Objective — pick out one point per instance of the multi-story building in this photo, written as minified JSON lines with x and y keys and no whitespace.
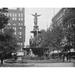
{"x":64,"y":16}
{"x":57,"y":19}
{"x":16,"y":21}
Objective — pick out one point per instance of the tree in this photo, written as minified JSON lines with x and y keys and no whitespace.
{"x":8,"y":44}
{"x":69,"y":26}
{"x":3,"y":21}
{"x":8,"y":41}
{"x":36,"y":44}
{"x":52,"y":38}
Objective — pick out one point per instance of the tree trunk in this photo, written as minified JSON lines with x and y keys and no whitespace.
{"x":1,"y":61}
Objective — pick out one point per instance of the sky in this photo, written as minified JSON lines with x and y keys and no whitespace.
{"x":44,"y":20}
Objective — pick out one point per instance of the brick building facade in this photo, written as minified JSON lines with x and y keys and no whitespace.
{"x":17,"y":22}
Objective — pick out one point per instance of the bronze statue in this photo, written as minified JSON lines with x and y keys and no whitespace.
{"x":35,"y":18}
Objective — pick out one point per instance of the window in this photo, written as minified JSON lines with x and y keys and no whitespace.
{"x":10,"y":14}
{"x":7,"y":14}
{"x":20,"y":9}
{"x":15,"y":14}
{"x":18,"y":43}
{"x":14,"y":24}
{"x":15,"y":32}
{"x":21,"y":23}
{"x":9,"y":24}
{"x":20,"y":27}
{"x":20,"y":33}
{"x":21,"y":14}
{"x":12,"y":18}
{"x":15,"y":18}
{"x":19,"y":19}
{"x":14,"y":28}
{"x":20,"y":37}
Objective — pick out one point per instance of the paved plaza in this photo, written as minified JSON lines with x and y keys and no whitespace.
{"x":39,"y":65}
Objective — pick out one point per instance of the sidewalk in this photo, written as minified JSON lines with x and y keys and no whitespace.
{"x":39,"y":65}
